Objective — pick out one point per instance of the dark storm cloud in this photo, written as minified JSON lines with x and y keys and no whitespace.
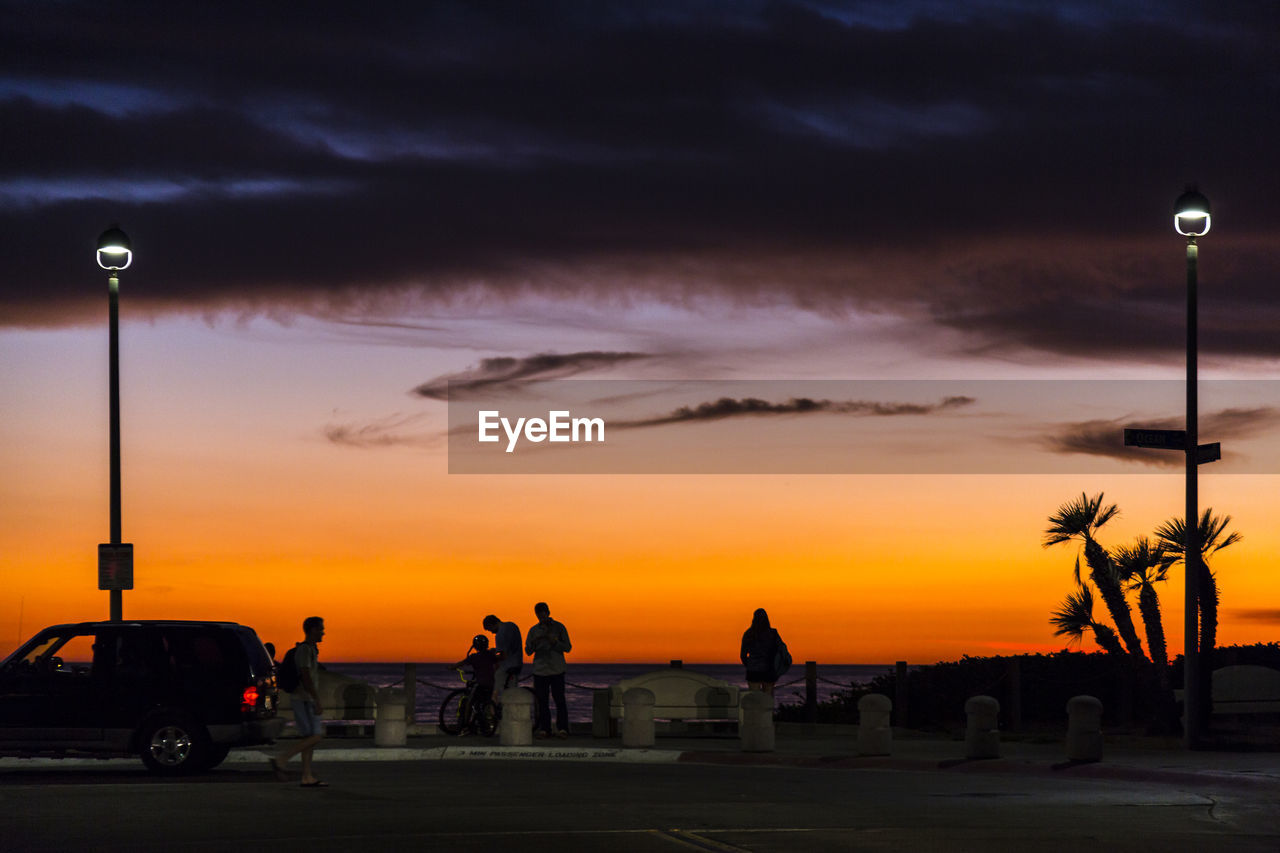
{"x":1007,"y":173}
{"x":1106,"y":437}
{"x":504,"y":372}
{"x":729,"y":407}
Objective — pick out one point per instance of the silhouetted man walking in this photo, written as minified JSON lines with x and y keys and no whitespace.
{"x":307,"y":708}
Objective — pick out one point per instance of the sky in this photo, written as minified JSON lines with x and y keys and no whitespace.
{"x":350,"y":228}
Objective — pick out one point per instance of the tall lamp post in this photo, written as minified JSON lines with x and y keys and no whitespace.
{"x":115,"y":561}
{"x":1191,"y":220}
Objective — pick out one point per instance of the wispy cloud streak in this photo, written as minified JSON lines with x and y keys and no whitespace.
{"x":506,"y":372}
{"x":396,"y":430}
{"x":730,"y":407}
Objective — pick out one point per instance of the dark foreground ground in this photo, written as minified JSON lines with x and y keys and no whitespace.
{"x":553,"y":806}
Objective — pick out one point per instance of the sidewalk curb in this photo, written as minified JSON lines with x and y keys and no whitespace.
{"x":1099,"y":771}
{"x":499,"y":753}
{"x":254,"y":756}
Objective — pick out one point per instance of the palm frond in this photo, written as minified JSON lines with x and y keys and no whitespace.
{"x":1104,"y":514}
{"x":1078,"y":519}
{"x":1173,"y":534}
{"x":1075,"y":615}
{"x":1141,"y":563}
{"x":1212,"y":527}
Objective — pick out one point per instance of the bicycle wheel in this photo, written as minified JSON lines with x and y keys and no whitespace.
{"x":485,"y":719}
{"x":451,"y":710}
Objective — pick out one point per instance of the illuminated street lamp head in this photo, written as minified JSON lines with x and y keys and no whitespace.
{"x":1191,"y":213}
{"x":114,"y":251}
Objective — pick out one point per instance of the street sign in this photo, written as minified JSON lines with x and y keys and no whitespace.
{"x":1208,"y":453}
{"x":115,"y":566}
{"x":1162,"y":439}
{"x":1171,"y":439}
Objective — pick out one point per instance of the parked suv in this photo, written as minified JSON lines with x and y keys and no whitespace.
{"x":177,"y":694}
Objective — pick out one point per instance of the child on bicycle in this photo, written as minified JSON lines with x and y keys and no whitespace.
{"x":484,"y":663}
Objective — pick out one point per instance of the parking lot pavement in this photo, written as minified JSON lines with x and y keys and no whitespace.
{"x":1132,"y":759}
{"x":565,"y":806}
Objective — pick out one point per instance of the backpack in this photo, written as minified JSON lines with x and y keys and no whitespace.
{"x":287,"y":676}
{"x":781,"y":657}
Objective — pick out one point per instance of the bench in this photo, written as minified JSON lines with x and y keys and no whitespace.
{"x":1244,"y":689}
{"x":680,"y":694}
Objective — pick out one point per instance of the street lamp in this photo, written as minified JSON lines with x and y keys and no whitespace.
{"x":1191,"y":219}
{"x":1191,"y":214}
{"x":115,"y":561}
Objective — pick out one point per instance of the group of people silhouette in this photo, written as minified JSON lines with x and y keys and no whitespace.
{"x":497,"y":665}
{"x":500,"y":666}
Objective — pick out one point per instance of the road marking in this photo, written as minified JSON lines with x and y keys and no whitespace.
{"x":695,"y":842}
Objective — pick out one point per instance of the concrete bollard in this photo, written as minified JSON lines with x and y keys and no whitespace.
{"x":602,"y":725}
{"x":390,"y":721}
{"x":1084,"y":729}
{"x":637,"y":718}
{"x":874,"y":734}
{"x":982,"y":734}
{"x":756,"y":729}
{"x":516,"y":728}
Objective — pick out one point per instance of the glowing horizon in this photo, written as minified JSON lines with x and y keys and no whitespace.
{"x":240,"y":509}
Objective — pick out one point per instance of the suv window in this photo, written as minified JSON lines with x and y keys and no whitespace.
{"x":260,"y":663}
{"x":207,"y":664}
{"x":204,"y":650}
{"x":38,"y":651}
{"x":76,"y":652}
{"x":69,"y":653}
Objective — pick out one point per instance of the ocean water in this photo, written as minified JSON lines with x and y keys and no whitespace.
{"x":437,"y":679}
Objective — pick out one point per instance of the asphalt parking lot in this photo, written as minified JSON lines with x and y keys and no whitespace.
{"x":566,"y":806}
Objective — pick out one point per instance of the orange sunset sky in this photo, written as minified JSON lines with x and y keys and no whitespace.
{"x":240,"y":509}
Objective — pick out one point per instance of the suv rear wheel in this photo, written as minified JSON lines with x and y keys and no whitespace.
{"x":173,"y":744}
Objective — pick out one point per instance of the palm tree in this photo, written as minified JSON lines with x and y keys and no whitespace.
{"x":1173,"y":535}
{"x":1140,"y":566}
{"x":1075,"y":616}
{"x":1080,"y":519}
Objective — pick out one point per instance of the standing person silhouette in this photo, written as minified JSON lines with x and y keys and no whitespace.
{"x":547,"y":642}
{"x":762,"y":652}
{"x":506,"y":639}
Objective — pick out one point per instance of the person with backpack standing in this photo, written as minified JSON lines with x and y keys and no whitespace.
{"x":763,"y":653}
{"x":299,"y":675}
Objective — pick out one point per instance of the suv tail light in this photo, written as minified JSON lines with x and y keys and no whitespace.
{"x":249,"y":699}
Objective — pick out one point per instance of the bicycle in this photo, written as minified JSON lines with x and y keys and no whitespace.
{"x":459,"y":712}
